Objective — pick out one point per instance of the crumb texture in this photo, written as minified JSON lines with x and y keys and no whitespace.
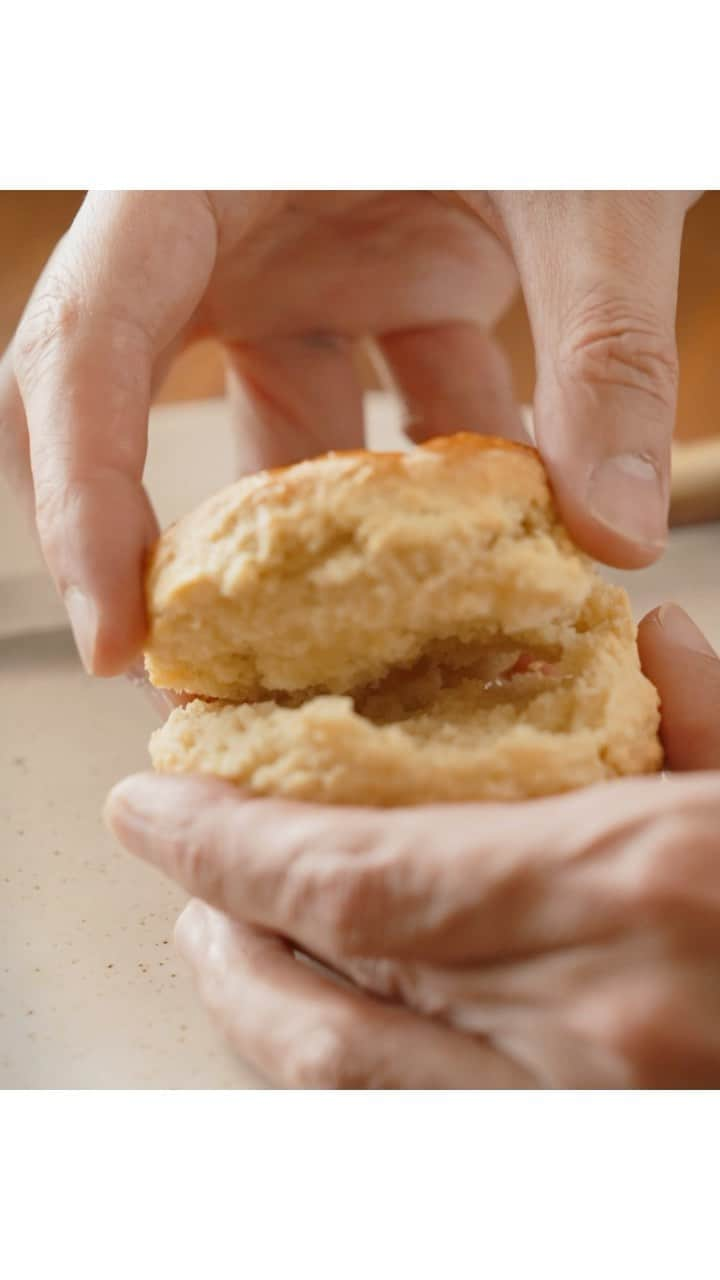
{"x":328,"y":574}
{"x":395,"y":629}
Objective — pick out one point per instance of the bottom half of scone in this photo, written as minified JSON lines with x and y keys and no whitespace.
{"x":499,"y":718}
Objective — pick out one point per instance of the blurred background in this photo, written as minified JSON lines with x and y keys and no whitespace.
{"x":31,"y":222}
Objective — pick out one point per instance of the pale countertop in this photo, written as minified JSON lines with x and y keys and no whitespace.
{"x":92,"y":994}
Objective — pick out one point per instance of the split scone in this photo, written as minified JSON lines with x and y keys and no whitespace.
{"x":393,"y":629}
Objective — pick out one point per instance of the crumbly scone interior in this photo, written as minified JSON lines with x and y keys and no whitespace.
{"x":501,"y":716}
{"x":544,"y":678}
{"x":336,"y":590}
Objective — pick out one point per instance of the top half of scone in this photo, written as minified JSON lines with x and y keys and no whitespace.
{"x":327,"y":575}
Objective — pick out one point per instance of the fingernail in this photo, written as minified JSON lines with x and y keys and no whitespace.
{"x":133,"y":803}
{"x":625,"y":493}
{"x":192,"y":928}
{"x":681,"y":630}
{"x":83,"y":619}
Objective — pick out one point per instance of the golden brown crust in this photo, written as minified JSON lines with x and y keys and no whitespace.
{"x":462,"y":444}
{"x":356,"y":601}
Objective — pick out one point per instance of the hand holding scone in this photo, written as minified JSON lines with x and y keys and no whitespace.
{"x":566,"y":942}
{"x":288,"y":282}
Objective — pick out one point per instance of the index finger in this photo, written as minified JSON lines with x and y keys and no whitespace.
{"x":124,"y":282}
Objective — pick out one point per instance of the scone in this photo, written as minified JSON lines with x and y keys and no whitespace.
{"x":393,"y":629}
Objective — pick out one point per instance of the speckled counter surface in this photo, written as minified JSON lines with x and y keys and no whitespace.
{"x":92,"y":994}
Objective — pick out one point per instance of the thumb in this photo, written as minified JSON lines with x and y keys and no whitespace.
{"x":599,"y":272}
{"x":686,"y":672}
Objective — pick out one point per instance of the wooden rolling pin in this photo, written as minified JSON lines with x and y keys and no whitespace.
{"x":695,"y":492}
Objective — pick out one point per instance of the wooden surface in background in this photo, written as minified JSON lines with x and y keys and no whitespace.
{"x":32,"y":221}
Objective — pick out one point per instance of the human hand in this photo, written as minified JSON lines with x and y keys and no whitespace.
{"x":567,"y":942}
{"x":289,"y":282}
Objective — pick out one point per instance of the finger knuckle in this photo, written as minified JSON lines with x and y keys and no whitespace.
{"x":198,"y":867}
{"x":49,"y":325}
{"x":660,"y":1031}
{"x":61,"y":505}
{"x":677,"y":870}
{"x":325,"y":1057}
{"x":60,"y":321}
{"x":341,"y":899}
{"x":657,"y":881}
{"x":358,"y":901}
{"x":640,"y":1028}
{"x":371,"y":886}
{"x":608,"y":344}
{"x":54,"y":513}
